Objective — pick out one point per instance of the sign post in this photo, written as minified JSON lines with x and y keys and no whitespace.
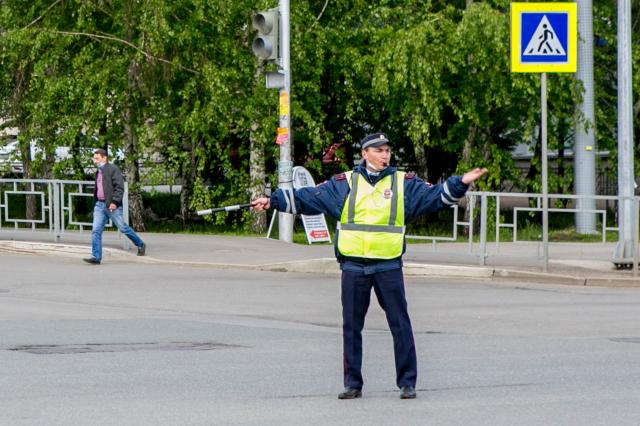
{"x":315,"y":226}
{"x":544,"y":38}
{"x":273,"y":45}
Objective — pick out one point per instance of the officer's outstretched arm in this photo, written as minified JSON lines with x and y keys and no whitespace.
{"x":326,"y":198}
{"x":282,"y":199}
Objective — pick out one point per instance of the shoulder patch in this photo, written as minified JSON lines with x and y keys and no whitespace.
{"x":409,"y":176}
{"x":341,"y":176}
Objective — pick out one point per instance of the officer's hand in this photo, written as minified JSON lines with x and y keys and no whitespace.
{"x":473,"y":175}
{"x":260,"y":204}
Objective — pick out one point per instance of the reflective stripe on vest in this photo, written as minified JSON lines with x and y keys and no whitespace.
{"x":372,"y":221}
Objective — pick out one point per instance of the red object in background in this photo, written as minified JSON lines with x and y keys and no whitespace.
{"x":329,"y":155}
{"x":319,"y":234}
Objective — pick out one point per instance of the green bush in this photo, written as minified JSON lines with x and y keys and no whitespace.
{"x":163,"y":205}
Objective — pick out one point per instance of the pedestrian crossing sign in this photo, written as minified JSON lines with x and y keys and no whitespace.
{"x":544,"y":37}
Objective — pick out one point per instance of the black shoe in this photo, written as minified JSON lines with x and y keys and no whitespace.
{"x":407,"y":392}
{"x":92,"y":260}
{"x":142,"y":249}
{"x":350,"y":393}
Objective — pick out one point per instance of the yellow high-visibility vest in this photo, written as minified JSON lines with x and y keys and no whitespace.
{"x":372,"y":221}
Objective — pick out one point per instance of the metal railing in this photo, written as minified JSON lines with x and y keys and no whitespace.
{"x":53,"y":205}
{"x":526,"y":203}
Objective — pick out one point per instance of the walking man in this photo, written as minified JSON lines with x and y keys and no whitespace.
{"x":372,"y":204}
{"x":108,"y":193}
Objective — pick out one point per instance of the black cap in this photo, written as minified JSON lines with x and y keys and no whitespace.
{"x":374,"y":139}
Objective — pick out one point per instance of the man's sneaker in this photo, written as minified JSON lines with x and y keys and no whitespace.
{"x":407,"y":392}
{"x":92,"y":260}
{"x":142,"y":249}
{"x":350,"y":393}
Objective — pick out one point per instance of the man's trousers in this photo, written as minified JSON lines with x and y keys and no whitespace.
{"x":356,"y":294}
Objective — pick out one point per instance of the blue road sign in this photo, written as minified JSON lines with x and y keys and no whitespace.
{"x":543,"y":37}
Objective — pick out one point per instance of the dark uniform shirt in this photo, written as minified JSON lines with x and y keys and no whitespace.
{"x":329,"y":198}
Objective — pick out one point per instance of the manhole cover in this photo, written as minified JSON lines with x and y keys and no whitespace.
{"x":122,"y":347}
{"x":626,"y":339}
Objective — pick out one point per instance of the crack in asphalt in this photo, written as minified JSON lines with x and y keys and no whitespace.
{"x":121,"y":347}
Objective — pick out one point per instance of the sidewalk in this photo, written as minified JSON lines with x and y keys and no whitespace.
{"x":570,"y":263}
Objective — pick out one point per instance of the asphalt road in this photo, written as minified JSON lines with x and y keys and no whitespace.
{"x":138,"y":344}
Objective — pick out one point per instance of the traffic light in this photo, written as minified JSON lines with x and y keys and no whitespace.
{"x":265,"y":45}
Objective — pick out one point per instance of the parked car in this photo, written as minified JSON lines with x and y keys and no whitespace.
{"x":10,"y":163}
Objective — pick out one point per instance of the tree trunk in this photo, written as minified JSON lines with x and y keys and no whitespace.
{"x":132,"y":170}
{"x":560,"y":187}
{"x":48,"y":156}
{"x":533,"y":175}
{"x":257,"y":177}
{"x":421,"y":158}
{"x":31,"y":200}
{"x":257,"y":173}
{"x":188,"y":179}
{"x":22,"y":78}
{"x":469,"y":145}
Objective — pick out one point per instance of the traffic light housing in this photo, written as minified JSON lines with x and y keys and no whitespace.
{"x":265,"y":45}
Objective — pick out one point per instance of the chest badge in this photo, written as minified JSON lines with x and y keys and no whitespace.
{"x":387,"y":194}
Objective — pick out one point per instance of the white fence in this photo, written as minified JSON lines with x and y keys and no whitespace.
{"x":501,"y":205}
{"x":56,"y":205}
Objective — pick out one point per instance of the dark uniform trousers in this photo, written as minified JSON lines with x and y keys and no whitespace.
{"x":356,"y":294}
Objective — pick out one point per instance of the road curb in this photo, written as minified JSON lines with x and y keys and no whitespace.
{"x":329,"y":265}
{"x":57,"y":249}
{"x":537,"y":277}
{"x":612,"y":282}
{"x":326,"y":266}
{"x":80,"y":251}
{"x":448,"y":271}
{"x":315,"y":266}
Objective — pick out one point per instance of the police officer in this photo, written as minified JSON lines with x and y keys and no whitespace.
{"x":372,"y":204}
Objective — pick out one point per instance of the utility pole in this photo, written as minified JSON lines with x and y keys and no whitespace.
{"x":273,"y":45}
{"x":545,"y":157}
{"x":584,"y":151}
{"x":285,"y":165}
{"x":626,"y":182}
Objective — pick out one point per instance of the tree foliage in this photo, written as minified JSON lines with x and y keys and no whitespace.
{"x":174,"y":86}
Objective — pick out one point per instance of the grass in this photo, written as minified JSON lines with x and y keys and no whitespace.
{"x":533,"y":232}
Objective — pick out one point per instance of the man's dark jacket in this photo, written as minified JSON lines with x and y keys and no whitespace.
{"x":112,"y":183}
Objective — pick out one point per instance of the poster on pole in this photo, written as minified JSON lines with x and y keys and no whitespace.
{"x":315,"y":226}
{"x":544,"y":37}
